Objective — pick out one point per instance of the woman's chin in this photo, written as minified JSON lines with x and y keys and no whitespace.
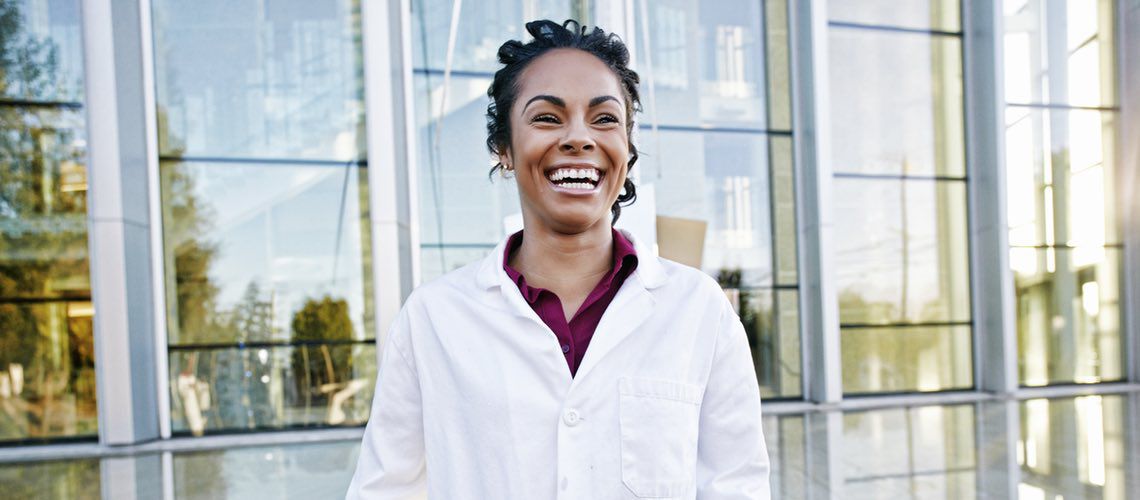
{"x":574,"y":222}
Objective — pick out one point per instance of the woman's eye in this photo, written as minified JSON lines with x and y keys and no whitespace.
{"x":606,"y":119}
{"x":545,"y":119}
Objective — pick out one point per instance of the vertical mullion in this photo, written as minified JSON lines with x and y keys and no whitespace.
{"x":1128,"y":194}
{"x":819,"y":306}
{"x":998,"y":425}
{"x":154,"y":196}
{"x":992,"y":294}
{"x":391,"y":157}
{"x":119,"y":223}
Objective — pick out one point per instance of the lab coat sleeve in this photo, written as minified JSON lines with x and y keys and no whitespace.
{"x":732,"y":459}
{"x":391,"y":463}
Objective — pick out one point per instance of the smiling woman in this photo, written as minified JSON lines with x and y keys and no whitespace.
{"x":663,"y":403}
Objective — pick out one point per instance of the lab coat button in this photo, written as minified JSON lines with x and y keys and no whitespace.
{"x":571,"y":418}
{"x":565,"y":347}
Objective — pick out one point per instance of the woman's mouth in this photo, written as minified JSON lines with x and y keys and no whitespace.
{"x":575,"y":180}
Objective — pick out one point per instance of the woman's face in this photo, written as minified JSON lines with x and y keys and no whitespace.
{"x":569,"y":146}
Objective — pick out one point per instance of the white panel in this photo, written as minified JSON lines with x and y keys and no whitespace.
{"x":819,"y":305}
{"x":118,"y":208}
{"x":1128,"y":27}
{"x":391,"y":161}
{"x":995,"y":320}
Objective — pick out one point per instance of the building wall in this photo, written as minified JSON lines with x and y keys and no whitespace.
{"x":823,"y":152}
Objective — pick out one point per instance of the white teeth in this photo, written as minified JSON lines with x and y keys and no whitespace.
{"x":578,"y":185}
{"x":575,"y":173}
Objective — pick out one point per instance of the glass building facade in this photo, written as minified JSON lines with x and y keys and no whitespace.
{"x":309,"y":163}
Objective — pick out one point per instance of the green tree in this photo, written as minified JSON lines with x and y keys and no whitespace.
{"x":252,"y":319}
{"x":315,"y":363}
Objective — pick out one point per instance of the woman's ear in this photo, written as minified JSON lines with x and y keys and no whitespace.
{"x":505,"y":160}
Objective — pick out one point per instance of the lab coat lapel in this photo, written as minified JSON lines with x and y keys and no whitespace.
{"x":491,"y":275}
{"x":631,"y":307}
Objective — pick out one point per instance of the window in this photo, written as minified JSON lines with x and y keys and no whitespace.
{"x":898,"y":152}
{"x":265,"y":214}
{"x":1065,"y":246}
{"x":47,"y":353}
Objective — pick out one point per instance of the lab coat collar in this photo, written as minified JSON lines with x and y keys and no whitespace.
{"x":632,"y":305}
{"x":649,"y":271}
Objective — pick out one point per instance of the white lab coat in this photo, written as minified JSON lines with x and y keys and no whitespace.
{"x":474,"y":399}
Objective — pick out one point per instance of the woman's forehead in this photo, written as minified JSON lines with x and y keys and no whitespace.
{"x":570,"y":74}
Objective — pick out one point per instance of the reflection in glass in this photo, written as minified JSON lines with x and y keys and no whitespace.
{"x":47,"y":376}
{"x":784,"y":437}
{"x":314,"y":383}
{"x":902,"y":264}
{"x":277,"y":79}
{"x":772,"y":324}
{"x":43,"y":204}
{"x":720,"y":178}
{"x":268,"y":295}
{"x":41,"y":42}
{"x":1068,"y":314}
{"x":923,"y":452}
{"x":47,"y":370}
{"x":708,"y":63}
{"x":311,"y":470}
{"x":267,"y":243}
{"x":1060,"y":52}
{"x":906,"y":358}
{"x":1075,"y":448}
{"x":784,"y":210}
{"x":779,"y":65}
{"x":483,"y":27}
{"x":1061,"y":169}
{"x":904,"y":91}
{"x":939,"y":15}
{"x":249,"y":244}
{"x":901,"y":251}
{"x":75,"y":479}
{"x":462,"y":211}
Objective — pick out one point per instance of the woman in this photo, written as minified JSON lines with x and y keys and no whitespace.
{"x":487,"y":389}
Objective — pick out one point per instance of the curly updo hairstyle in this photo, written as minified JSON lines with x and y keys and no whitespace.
{"x":516,"y":56}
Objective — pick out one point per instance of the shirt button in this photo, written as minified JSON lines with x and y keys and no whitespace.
{"x":571,"y":417}
{"x":565,"y":347}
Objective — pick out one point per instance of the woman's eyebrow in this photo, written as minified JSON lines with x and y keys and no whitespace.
{"x":602,"y":98}
{"x":557,"y":101}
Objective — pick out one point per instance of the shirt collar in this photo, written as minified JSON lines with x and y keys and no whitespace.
{"x":492,"y":270}
{"x":624,"y":258}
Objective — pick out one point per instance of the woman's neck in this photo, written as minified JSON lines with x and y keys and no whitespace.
{"x":556,"y":261}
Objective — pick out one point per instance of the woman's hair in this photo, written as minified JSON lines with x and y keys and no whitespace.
{"x":516,"y":56}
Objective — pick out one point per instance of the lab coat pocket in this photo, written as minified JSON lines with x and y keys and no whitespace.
{"x":659,"y":421}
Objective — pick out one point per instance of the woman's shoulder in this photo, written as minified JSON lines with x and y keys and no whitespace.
{"x":685,"y":277}
{"x":461,"y":280}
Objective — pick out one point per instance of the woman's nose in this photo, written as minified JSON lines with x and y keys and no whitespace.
{"x":577,"y":138}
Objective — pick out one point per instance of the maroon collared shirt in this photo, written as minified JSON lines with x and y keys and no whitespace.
{"x":574,"y":335}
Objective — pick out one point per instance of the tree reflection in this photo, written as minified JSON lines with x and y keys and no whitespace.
{"x":321,"y":370}
{"x":882,"y":351}
{"x":46,"y":359}
{"x":756,"y":314}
